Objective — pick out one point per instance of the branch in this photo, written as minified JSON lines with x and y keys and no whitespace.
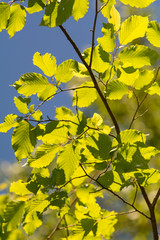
{"x":93,"y":32}
{"x":156,"y":198}
{"x":93,"y":79}
{"x":115,"y":194}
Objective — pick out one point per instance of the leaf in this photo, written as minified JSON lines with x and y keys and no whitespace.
{"x":46,"y":63}
{"x":116,"y":90}
{"x":100,"y":58}
{"x":108,"y":40}
{"x":154,"y":89}
{"x":132,"y":28}
{"x":87,"y":225}
{"x":31,"y":226}
{"x":115,"y":18}
{"x":64,"y":113}
{"x":128,"y":75}
{"x":99,"y":146}
{"x":23,"y":140}
{"x":138,"y":3}
{"x":21,"y":105}
{"x":35,"y":6}
{"x":138,"y":56}
{"x":107,"y":8}
{"x":37,"y":115}
{"x":34,"y":83}
{"x":12,"y":215}
{"x":57,"y":13}
{"x":153,"y":33}
{"x":85,"y":95}
{"x":80,"y":8}
{"x":68,"y":160}
{"x":4,"y":15}
{"x":44,"y":155}
{"x":9,"y":122}
{"x":19,"y":188}
{"x":105,"y":226}
{"x":17,"y":19}
{"x":68,"y":69}
{"x":58,"y":177}
{"x":111,"y":180}
{"x":145,"y":77}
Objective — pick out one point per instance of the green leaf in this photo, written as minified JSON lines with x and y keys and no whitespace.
{"x":12,"y":215}
{"x":17,"y":19}
{"x":106,"y":226}
{"x":100,"y":58}
{"x":68,"y":160}
{"x":153,"y":33}
{"x":115,"y":18}
{"x":4,"y":15}
{"x":87,"y":225}
{"x":99,"y":146}
{"x":132,"y":28}
{"x":23,"y":140}
{"x":111,"y":180}
{"x":21,"y":105}
{"x":107,"y":7}
{"x":19,"y":188}
{"x":154,"y":89}
{"x":68,"y":69}
{"x":64,"y":113}
{"x":34,"y":83}
{"x":85,"y":95}
{"x":116,"y":90}
{"x":46,"y":63}
{"x":36,"y":221}
{"x":44,"y":155}
{"x":80,"y":8}
{"x":108,"y":40}
{"x":35,"y":6}
{"x":57,"y":13}
{"x":37,"y":115}
{"x":145,"y":77}
{"x":138,"y":56}
{"x":9,"y":122}
{"x":128,"y":75}
{"x":58,"y":177}
{"x":138,"y":3}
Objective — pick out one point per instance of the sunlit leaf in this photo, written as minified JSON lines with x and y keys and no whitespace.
{"x":85,"y":95}
{"x":115,"y":18}
{"x":80,"y":8}
{"x":9,"y":122}
{"x":106,"y":8}
{"x":145,"y":77}
{"x":35,"y":6}
{"x":154,"y":89}
{"x":116,"y":90}
{"x":132,"y":28}
{"x":17,"y":19}
{"x":46,"y":63}
{"x":4,"y":15}
{"x":21,"y":105}
{"x":138,"y":3}
{"x":19,"y":188}
{"x":108,"y":40}
{"x":23,"y":140}
{"x":12,"y":215}
{"x":153,"y":33}
{"x":138,"y":56}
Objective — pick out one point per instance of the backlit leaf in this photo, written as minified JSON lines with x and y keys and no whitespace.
{"x":107,"y":7}
{"x":153,"y":33}
{"x":154,"y":89}
{"x":116,"y":90}
{"x":132,"y":28}
{"x":80,"y":8}
{"x":46,"y":63}
{"x":138,"y":3}
{"x":108,"y":40}
{"x":9,"y":122}
{"x":115,"y":18}
{"x":4,"y":15}
{"x":84,"y":96}
{"x":35,"y":6}
{"x":23,"y":140}
{"x":17,"y":19}
{"x":21,"y":105}
{"x":68,"y":160}
{"x":138,"y":56}
{"x":12,"y":215}
{"x":19,"y":188}
{"x":145,"y":77}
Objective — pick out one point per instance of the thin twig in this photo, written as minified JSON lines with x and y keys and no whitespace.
{"x":156,"y":198}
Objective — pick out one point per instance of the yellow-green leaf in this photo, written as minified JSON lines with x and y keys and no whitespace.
{"x":9,"y":122}
{"x":108,"y":40}
{"x":19,"y":188}
{"x":138,"y":3}
{"x":132,"y":28}
{"x":35,"y":6}
{"x":46,"y":63}
{"x":153,"y":33}
{"x":115,"y":18}
{"x":80,"y":8}
{"x":116,"y":90}
{"x":4,"y":15}
{"x":21,"y":105}
{"x":17,"y":19}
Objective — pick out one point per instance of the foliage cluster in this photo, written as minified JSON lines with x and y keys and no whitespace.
{"x":74,"y":158}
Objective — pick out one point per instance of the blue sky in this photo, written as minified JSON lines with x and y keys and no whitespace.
{"x":16,"y":58}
